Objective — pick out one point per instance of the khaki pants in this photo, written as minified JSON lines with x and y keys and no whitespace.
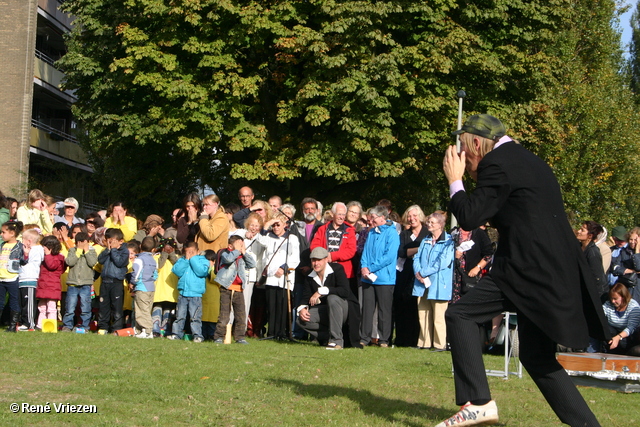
{"x":433,"y":329}
{"x":143,"y":304}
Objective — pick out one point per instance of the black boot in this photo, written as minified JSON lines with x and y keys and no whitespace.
{"x":14,"y":321}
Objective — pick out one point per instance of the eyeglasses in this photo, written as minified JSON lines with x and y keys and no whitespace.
{"x":69,"y":207}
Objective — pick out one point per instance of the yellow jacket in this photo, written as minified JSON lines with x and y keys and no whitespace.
{"x":166,"y":284}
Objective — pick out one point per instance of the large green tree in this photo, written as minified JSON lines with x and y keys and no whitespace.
{"x":338,"y":99}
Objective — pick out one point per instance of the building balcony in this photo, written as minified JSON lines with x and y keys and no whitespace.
{"x":56,"y":145}
{"x":51,"y":7}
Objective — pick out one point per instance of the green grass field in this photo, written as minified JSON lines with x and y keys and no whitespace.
{"x":136,"y":382}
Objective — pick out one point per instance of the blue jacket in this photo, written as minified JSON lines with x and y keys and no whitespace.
{"x":115,"y":263}
{"x":380,"y":254}
{"x":436,"y":263}
{"x":232,"y":265}
{"x":192,"y":273}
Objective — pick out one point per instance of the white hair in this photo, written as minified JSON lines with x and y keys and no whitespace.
{"x":335,"y":206}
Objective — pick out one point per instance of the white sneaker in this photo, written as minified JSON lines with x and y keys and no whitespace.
{"x":143,"y":334}
{"x":23,"y":328}
{"x":473,"y":415}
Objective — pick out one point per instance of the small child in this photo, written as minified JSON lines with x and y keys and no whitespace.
{"x":145,"y":273}
{"x":128,"y":315}
{"x":49,"y":289}
{"x":165,"y":296}
{"x":192,"y":269}
{"x":81,"y":260}
{"x":114,"y":260}
{"x":232,"y":277}
{"x":29,"y":274}
{"x":13,"y":254}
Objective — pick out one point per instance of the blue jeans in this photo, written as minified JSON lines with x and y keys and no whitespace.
{"x":73,"y":292}
{"x":194,"y":306}
{"x":160,"y":315}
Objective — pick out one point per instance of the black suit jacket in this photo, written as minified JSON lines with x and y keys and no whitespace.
{"x":338,"y":284}
{"x":537,"y":265}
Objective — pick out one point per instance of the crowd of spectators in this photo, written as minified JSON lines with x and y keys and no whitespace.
{"x":344,"y":277}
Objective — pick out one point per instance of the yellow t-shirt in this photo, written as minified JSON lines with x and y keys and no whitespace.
{"x":129,"y":228}
{"x":4,"y":262}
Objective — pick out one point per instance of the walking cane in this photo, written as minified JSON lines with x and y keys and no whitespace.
{"x":227,"y":335}
{"x":290,"y":316}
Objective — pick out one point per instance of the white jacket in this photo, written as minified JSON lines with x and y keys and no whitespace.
{"x":31,"y":270}
{"x":287,"y":253}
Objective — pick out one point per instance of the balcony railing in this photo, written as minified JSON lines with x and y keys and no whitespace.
{"x":54,"y":133}
{"x":43,"y":56}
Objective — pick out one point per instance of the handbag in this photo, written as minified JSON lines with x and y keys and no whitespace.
{"x":629,"y":280}
{"x":467,"y":282}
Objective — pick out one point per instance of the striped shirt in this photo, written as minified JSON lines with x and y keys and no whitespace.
{"x":625,"y":321}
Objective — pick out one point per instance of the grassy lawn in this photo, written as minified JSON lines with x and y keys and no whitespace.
{"x":160,"y":382}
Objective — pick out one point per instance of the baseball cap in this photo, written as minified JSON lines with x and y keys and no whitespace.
{"x":483,"y":125}
{"x":619,"y":233}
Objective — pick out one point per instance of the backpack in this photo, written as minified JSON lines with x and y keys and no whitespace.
{"x":218,"y":262}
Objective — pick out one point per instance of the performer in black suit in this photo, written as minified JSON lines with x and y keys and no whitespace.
{"x":538,"y":271}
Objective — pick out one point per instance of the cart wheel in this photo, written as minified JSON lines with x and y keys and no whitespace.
{"x":514,"y":342}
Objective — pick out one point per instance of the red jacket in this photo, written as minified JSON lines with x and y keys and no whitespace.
{"x":51,"y":269}
{"x":347,"y":251}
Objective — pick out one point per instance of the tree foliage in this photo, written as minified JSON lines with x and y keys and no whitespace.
{"x":337,"y":98}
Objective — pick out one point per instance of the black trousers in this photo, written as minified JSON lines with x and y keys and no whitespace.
{"x":405,"y":316}
{"x":111,"y":300}
{"x":277,"y":312}
{"x":537,"y":354}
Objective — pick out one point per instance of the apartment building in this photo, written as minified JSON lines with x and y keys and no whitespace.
{"x":38,"y":145}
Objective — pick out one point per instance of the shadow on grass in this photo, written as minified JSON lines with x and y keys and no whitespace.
{"x":389,"y":410}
